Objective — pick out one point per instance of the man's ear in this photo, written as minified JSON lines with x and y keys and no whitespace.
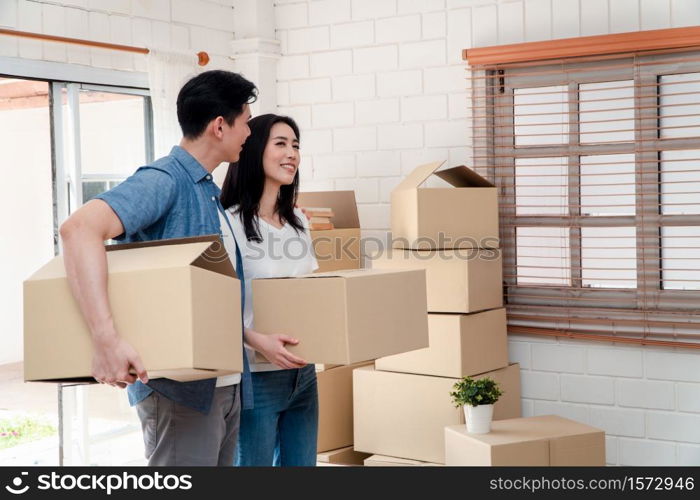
{"x":216,"y":127}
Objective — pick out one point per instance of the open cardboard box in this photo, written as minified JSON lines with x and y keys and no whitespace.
{"x":337,"y":248}
{"x":177,"y":302}
{"x":345,"y":317}
{"x":462,"y":216}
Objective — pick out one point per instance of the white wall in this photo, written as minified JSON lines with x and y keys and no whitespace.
{"x":26,"y":215}
{"x":379,"y":86}
{"x":181,"y":25}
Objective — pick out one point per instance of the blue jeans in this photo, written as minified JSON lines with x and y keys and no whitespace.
{"x":281,"y":429}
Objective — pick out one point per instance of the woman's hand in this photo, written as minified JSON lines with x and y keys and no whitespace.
{"x":303,"y":210}
{"x":273,"y":348}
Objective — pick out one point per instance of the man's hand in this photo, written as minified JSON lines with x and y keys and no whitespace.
{"x":114,"y":362}
{"x":273,"y":348}
{"x":83,"y":235}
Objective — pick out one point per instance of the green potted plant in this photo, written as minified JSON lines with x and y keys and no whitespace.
{"x":477,"y":397}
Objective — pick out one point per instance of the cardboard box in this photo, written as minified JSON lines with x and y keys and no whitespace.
{"x":458,"y":281}
{"x":335,"y":429}
{"x":177,"y":302}
{"x":343,"y":456}
{"x":337,"y":248}
{"x":532,"y":441}
{"x":384,"y":461}
{"x":460,"y":345}
{"x":462,"y":216}
{"x":345,"y":317}
{"x":404,"y":415}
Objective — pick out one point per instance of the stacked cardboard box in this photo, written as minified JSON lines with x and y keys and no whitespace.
{"x":384,"y":461}
{"x":335,"y":424}
{"x":343,"y":456}
{"x":533,"y":441}
{"x":345,"y":317}
{"x":402,"y":406}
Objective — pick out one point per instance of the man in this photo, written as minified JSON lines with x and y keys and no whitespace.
{"x":193,"y":423}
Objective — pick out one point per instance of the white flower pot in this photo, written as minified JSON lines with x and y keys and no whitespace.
{"x":478,"y":418}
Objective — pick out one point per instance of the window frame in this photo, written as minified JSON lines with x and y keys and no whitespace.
{"x":497,"y":145}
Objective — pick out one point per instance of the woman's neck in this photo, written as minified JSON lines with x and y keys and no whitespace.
{"x":268,"y":200}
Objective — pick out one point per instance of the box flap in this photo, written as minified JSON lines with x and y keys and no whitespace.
{"x":341,"y":202}
{"x":162,"y":243}
{"x":206,"y":253}
{"x":352,"y":273}
{"x":463,"y":176}
{"x":214,"y":258}
{"x":419,"y":175}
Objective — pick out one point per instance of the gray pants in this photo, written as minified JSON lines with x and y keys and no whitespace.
{"x":176,"y":435}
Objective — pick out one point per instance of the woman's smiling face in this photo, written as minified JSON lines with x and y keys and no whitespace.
{"x":281,"y":155}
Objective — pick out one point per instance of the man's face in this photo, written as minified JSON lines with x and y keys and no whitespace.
{"x":236,"y":135}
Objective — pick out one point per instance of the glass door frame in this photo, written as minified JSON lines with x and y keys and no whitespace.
{"x":68,"y":195}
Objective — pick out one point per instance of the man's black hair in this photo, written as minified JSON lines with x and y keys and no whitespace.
{"x":211,"y":94}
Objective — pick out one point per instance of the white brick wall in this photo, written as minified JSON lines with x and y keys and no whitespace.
{"x":638,"y":393}
{"x":646,"y":452}
{"x":377,"y":111}
{"x":338,"y":62}
{"x":183,"y":25}
{"x":378,"y":87}
{"x":410,"y":93}
{"x":352,"y":35}
{"x":620,"y":362}
{"x":398,"y":29}
{"x":556,"y":358}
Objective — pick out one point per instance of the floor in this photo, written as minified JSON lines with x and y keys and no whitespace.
{"x":114,"y":435}
{"x":114,"y":430}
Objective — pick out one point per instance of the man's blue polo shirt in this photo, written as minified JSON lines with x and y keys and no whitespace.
{"x":174,"y":197}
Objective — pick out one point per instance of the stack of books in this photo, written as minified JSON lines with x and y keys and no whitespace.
{"x":319,"y":218}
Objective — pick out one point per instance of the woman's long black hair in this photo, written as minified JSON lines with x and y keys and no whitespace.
{"x":245,"y":179}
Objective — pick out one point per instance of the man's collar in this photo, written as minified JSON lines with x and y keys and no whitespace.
{"x":195,"y":169}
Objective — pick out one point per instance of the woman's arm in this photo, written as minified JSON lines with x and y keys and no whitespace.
{"x":273,"y":348}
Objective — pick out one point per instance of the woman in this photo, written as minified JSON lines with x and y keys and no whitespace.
{"x":259,"y":196}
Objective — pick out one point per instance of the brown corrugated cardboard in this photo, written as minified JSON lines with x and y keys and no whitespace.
{"x":345,"y":317}
{"x":458,"y":281}
{"x":384,"y":461}
{"x":337,"y":248}
{"x":320,"y":367}
{"x":343,"y":456}
{"x":462,"y":216}
{"x":176,"y":301}
{"x":335,"y":407}
{"x":532,"y":441}
{"x":460,"y":345}
{"x":404,"y":415}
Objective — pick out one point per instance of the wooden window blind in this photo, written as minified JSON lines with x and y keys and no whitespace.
{"x":597,"y":162}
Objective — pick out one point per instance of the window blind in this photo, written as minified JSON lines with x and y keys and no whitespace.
{"x":597,"y":163}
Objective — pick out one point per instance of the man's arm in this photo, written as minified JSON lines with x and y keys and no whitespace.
{"x":83,"y":235}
